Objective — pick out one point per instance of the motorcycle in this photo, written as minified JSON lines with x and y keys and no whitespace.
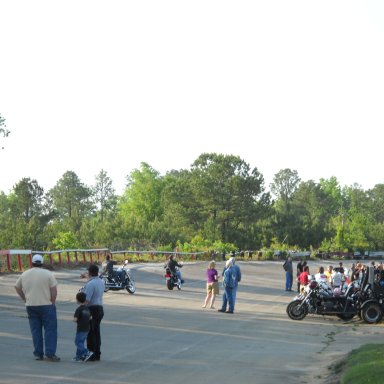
{"x":320,"y":300}
{"x":171,"y":279}
{"x":122,"y":279}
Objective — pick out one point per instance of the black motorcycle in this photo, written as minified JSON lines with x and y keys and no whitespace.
{"x":121,"y":279}
{"x":318,"y":300}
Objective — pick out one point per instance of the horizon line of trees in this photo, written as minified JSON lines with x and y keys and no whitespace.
{"x":219,"y":204}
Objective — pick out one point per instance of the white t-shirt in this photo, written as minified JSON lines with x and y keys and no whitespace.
{"x":336,"y":279}
{"x":321,"y":277}
{"x":36,"y":284}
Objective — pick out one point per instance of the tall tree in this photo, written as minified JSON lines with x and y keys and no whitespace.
{"x":228,"y":192}
{"x":140,"y":206}
{"x":71,"y":200}
{"x":28,"y":215}
{"x":104,"y":193}
{"x":284,"y":185}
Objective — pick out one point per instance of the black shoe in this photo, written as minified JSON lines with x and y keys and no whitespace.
{"x":220,"y":310}
{"x":229,"y":312}
{"x":53,"y":358}
{"x":39,"y":357}
{"x":94,"y":358}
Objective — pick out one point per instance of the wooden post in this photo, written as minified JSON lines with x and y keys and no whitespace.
{"x":20,"y":263}
{"x":9,"y":262}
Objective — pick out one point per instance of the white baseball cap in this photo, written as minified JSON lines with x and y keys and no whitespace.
{"x":37,"y":259}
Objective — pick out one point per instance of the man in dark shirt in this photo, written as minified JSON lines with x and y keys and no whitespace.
{"x":174,"y":266}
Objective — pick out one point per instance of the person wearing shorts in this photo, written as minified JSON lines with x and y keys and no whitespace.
{"x":212,"y":285}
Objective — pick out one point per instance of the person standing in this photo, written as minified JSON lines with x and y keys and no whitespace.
{"x":299,"y":269}
{"x":238,"y":279}
{"x":288,"y":268}
{"x":37,"y":287}
{"x":94,"y":290}
{"x":229,"y":277}
{"x":82,"y":318}
{"x":212,"y":285}
{"x":304,"y":278}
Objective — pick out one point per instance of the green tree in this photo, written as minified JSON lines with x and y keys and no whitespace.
{"x":284,"y":185}
{"x":104,"y":194}
{"x":71,"y":201}
{"x":27,"y":215}
{"x":229,"y":195}
{"x":140,"y":206}
{"x":311,"y":215}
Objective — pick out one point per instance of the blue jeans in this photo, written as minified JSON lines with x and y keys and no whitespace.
{"x":43,"y":317}
{"x":288,"y":281}
{"x":228,"y":299}
{"x":80,"y":340}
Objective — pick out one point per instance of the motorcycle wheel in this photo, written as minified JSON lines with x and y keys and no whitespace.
{"x":296,"y":311}
{"x":169,"y":285}
{"x":372,"y":313}
{"x":346,"y":317}
{"x":131,"y":286}
{"x":106,"y":288}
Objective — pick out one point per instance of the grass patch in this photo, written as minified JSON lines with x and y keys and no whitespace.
{"x":363,"y":365}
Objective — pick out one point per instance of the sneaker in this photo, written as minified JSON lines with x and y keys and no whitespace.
{"x":39,"y":357}
{"x":78,"y":359}
{"x":94,"y":358}
{"x":88,"y":356}
{"x":53,"y":358}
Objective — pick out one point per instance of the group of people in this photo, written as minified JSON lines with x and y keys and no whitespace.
{"x":336,"y":277}
{"x":231,"y":276}
{"x":37,"y":287}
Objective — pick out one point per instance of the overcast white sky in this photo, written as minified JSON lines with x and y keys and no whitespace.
{"x":91,"y":85}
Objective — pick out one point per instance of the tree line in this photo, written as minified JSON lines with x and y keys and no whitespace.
{"x":219,"y":204}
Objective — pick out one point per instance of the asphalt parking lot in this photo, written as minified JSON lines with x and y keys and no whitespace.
{"x":157,"y":335}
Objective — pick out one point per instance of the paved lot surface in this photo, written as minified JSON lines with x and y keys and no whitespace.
{"x":161,"y":336}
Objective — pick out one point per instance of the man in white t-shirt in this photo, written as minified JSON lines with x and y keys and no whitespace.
{"x":336,"y":279}
{"x":37,"y":287}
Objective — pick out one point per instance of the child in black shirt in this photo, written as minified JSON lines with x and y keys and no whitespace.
{"x":82,"y":318}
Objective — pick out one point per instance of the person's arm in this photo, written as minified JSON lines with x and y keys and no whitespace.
{"x":53,"y":294}
{"x":20,"y":293}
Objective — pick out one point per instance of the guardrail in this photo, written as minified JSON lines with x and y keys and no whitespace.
{"x":20,"y":259}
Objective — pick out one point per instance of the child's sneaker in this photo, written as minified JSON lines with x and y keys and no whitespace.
{"x":88,"y":356}
{"x":78,"y":359}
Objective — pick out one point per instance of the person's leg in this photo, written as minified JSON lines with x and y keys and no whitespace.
{"x":286,"y":281}
{"x":224,"y":303}
{"x":213,"y":296}
{"x":80,"y":338}
{"x":234,"y":294}
{"x":36,"y":326}
{"x":290,"y":282}
{"x":94,"y":337}
{"x":229,"y":293}
{"x":207,"y":298}
{"x":50,"y":329}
